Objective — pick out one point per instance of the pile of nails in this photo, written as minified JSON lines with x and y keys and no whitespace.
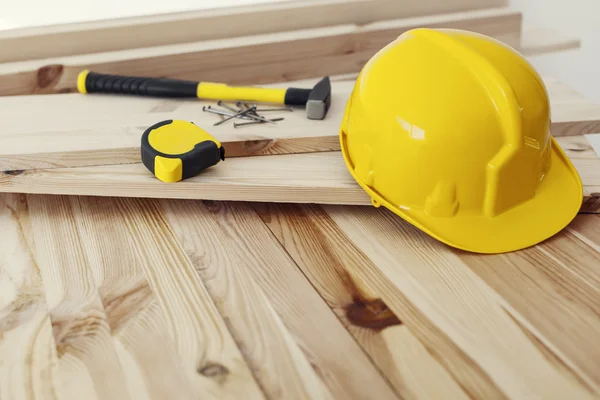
{"x":243,"y":111}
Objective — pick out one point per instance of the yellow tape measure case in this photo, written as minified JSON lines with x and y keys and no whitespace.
{"x":174,"y":150}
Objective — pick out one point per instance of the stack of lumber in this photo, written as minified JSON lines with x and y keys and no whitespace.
{"x":260,"y":44}
{"x":269,"y":276}
{"x":89,"y":145}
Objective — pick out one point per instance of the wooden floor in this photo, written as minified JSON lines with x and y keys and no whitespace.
{"x":105,"y":298}
{"x":153,"y":298}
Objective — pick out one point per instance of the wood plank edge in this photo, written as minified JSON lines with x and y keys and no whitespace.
{"x":352,"y":44}
{"x":91,"y":181}
{"x":259,"y":147}
{"x":307,"y":14}
{"x":539,"y":40}
{"x":18,"y":163}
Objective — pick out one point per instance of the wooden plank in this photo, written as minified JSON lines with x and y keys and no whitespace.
{"x":100,"y":139}
{"x":182,"y":27}
{"x":408,"y":349}
{"x":272,"y":140}
{"x":73,"y":130}
{"x":459,"y":302}
{"x":253,"y":59}
{"x":314,"y":177}
{"x":261,"y":290}
{"x":587,"y":162}
{"x":539,"y":40}
{"x":572,"y":113}
{"x":297,"y":178}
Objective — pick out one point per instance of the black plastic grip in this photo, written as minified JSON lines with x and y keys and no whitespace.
{"x":152,"y":87}
{"x":297,"y":97}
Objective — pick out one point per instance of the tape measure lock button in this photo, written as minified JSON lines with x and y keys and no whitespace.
{"x":174,"y":150}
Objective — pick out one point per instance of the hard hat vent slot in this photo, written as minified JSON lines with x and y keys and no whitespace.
{"x":531,"y":142}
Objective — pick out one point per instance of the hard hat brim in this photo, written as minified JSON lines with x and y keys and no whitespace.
{"x":556,"y":203}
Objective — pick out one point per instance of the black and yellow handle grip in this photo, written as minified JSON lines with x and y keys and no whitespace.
{"x":91,"y":82}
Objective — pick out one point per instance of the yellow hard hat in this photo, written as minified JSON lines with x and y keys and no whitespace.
{"x":450,"y":130}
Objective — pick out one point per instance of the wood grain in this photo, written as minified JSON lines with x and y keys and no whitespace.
{"x":293,"y":178}
{"x":27,"y":346}
{"x":203,"y":343}
{"x":438,"y":282}
{"x":152,"y":366}
{"x":74,"y":130}
{"x":562,"y":302}
{"x":126,"y":148}
{"x":89,"y":366}
{"x":277,"y":361}
{"x":112,"y":134}
{"x":235,"y":234}
{"x":133,"y":311}
{"x":587,"y":230}
{"x":254,"y":59}
{"x":172,"y":28}
{"x":318,"y":177}
{"x":118,"y":267}
{"x":178,"y":298}
{"x":408,"y":349}
{"x":149,"y":299}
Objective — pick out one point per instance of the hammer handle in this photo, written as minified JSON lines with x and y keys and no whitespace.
{"x":92,"y":82}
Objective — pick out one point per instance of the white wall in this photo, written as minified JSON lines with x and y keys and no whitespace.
{"x":16,"y":13}
{"x":579,"y":69}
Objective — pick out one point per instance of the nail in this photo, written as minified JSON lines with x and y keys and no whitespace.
{"x":252,"y":114}
{"x":221,"y":104}
{"x":237,"y":115}
{"x":223,"y":113}
{"x":236,"y":124}
{"x":275,"y":109}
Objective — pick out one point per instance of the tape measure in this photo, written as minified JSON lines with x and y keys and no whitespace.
{"x":174,"y":150}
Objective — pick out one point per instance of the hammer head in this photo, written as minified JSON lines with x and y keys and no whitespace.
{"x":316,"y":100}
{"x":319,"y":100}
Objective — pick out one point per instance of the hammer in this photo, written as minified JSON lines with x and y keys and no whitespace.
{"x":316,"y":100}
